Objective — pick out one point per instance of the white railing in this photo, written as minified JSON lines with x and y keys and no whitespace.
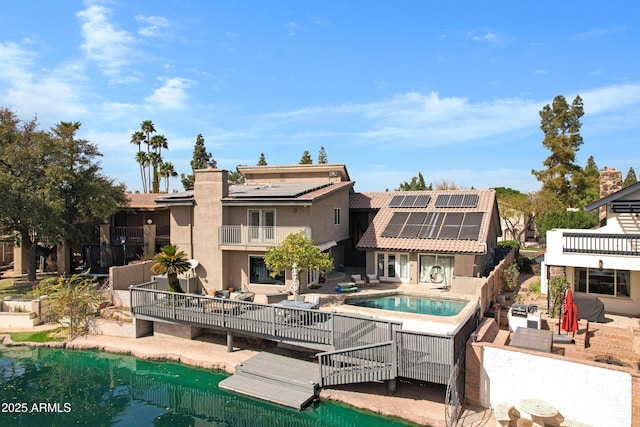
{"x":243,"y":235}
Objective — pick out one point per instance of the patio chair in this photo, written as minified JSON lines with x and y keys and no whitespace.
{"x":314,"y":299}
{"x":357,"y":279}
{"x":373,"y":279}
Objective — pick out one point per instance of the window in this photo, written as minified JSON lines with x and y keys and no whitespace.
{"x":436,"y":269}
{"x":259,"y":274}
{"x":336,"y":216}
{"x":616,"y":283}
{"x":392,"y":267}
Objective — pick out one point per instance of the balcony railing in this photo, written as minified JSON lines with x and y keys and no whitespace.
{"x":603,"y":244}
{"x":243,"y":235}
{"x":128,"y":234}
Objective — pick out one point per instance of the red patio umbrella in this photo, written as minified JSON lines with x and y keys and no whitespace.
{"x":570,"y":314}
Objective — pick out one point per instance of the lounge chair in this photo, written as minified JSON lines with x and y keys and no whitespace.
{"x":314,"y":299}
{"x":357,"y":279}
{"x":346,"y":288}
{"x":373,"y":279}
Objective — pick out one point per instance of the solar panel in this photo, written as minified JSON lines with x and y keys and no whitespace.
{"x":413,"y":225}
{"x":471,"y":226}
{"x":396,"y":201}
{"x":422,"y":201}
{"x":451,"y":225}
{"x":431,"y":226}
{"x":395,"y":224}
{"x":457,"y":201}
{"x":408,"y":201}
{"x":470,"y":201}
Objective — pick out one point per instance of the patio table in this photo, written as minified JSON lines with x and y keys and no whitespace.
{"x":532,"y":339}
{"x":537,"y":410}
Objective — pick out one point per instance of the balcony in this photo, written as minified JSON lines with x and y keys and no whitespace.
{"x":600,"y":243}
{"x":242,"y":235}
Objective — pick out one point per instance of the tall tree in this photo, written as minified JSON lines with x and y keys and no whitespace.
{"x":262,"y":161}
{"x":306,"y":158}
{"x":51,"y":182}
{"x":158,"y":142}
{"x":201,"y":160}
{"x":167,"y":171}
{"x":137,"y":138}
{"x":586,"y":184}
{"x":147,"y":128}
{"x":561,"y":124}
{"x":235,"y":177}
{"x":416,"y":183}
{"x":630,"y":179}
{"x":322,"y":156}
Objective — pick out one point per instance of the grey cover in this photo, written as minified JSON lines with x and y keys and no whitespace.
{"x":590,"y":308}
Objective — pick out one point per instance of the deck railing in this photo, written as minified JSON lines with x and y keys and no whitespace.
{"x":270,"y":321}
{"x":256,"y":236}
{"x":373,"y":362}
{"x":601,"y":244}
{"x":128,"y":234}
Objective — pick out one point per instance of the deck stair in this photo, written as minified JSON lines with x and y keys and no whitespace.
{"x":274,"y":378}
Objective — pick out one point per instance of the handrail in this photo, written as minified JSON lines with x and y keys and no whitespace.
{"x":364,"y":363}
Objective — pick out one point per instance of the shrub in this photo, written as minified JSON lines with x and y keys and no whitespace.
{"x":510,"y":244}
{"x":557,"y":287}
{"x":524,"y":264}
{"x":510,"y":277}
{"x":535,"y":287}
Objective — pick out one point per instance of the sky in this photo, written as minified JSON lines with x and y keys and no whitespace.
{"x":452,"y":90}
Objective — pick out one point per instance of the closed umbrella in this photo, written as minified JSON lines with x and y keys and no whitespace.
{"x":570,"y":314}
{"x":294,"y":279}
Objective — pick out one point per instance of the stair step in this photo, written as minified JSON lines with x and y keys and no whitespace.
{"x":275,"y":393}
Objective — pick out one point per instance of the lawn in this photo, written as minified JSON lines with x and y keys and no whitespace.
{"x":55,"y":335}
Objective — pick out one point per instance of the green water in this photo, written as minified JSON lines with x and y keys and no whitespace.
{"x":53,"y":387}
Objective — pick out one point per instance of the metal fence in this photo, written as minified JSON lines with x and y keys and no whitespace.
{"x":599,"y":243}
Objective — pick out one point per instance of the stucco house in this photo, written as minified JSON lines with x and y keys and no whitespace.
{"x":426,"y":237}
{"x":228,"y":228}
{"x":602,"y":262}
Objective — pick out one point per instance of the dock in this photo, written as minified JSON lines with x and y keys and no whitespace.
{"x":277,"y":379}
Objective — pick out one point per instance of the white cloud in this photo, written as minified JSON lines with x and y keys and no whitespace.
{"x":111,"y":48}
{"x":597,"y":33}
{"x":172,"y":95}
{"x":155,"y":26}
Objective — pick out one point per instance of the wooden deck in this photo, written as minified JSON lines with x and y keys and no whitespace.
{"x":278,"y":379}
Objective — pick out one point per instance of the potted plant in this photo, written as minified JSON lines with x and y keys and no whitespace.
{"x":171,"y":261}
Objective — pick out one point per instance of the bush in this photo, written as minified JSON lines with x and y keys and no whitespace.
{"x":524,"y":264}
{"x":510,"y":244}
{"x":557,"y":288}
{"x":535,"y":287}
{"x":510,"y":277}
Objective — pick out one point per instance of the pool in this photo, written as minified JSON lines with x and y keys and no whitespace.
{"x":423,"y":304}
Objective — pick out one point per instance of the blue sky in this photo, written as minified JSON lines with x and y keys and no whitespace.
{"x":449,"y":89}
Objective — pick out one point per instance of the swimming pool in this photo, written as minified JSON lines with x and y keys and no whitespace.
{"x":422,"y":304}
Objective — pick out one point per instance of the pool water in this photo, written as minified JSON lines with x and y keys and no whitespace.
{"x":412,"y":304}
{"x":55,"y":387}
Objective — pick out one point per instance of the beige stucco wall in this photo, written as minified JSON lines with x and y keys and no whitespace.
{"x":626,"y":306}
{"x":182,"y":228}
{"x":210,"y":187}
{"x":322,"y":217}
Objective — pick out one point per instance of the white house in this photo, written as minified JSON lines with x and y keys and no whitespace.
{"x":603,"y":262}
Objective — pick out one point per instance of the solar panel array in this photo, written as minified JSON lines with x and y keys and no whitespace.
{"x":457,"y":201}
{"x":410,"y":201}
{"x":434,"y":225}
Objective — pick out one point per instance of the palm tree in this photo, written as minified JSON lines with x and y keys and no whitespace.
{"x":154,"y":160}
{"x":143,"y":160}
{"x":147,"y":128}
{"x":158,"y":142}
{"x":171,"y":261}
{"x":167,"y":170}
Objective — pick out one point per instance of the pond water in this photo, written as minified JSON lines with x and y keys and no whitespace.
{"x":55,"y":387}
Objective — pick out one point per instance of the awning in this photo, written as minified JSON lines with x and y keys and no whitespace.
{"x":327,"y":245}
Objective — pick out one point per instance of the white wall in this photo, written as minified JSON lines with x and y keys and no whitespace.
{"x":600,"y":397}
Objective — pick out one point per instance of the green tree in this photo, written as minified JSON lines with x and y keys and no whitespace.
{"x":137,"y":138}
{"x":417,"y":183}
{"x":171,"y":261}
{"x":561,"y":124}
{"x":201,"y":160}
{"x":630,"y":179}
{"x":167,"y":171}
{"x":578,"y":219}
{"x":306,"y":158}
{"x":262,"y":161}
{"x":51,"y":183}
{"x":586,"y":183}
{"x":296,"y":253}
{"x":235,"y":177}
{"x":322,"y":156}
{"x":516,"y":212}
{"x":147,"y":128}
{"x":158,"y":142}
{"x":72,"y":300}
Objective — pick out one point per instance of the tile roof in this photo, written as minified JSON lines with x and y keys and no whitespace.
{"x":372,"y":238}
{"x":144,"y":200}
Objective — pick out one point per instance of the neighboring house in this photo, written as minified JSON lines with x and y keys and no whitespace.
{"x":426,"y":237}
{"x":133,"y":233}
{"x":228,"y":229}
{"x":602,"y":262}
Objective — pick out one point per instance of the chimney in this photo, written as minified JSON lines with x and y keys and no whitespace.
{"x":610,"y":182}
